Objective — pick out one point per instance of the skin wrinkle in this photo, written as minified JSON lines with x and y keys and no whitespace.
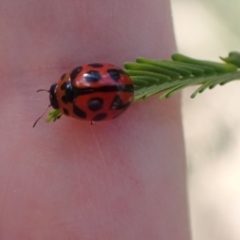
{"x":98,"y":146}
{"x":92,"y":189}
{"x":103,"y":161}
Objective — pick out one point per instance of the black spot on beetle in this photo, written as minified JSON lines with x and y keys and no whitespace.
{"x":75,"y":72}
{"x":65,"y":111}
{"x":92,"y":76}
{"x":95,"y":65}
{"x":95,"y":104}
{"x":116,"y":103}
{"x":64,"y":99}
{"x":63,"y":76}
{"x":79,"y":112}
{"x":99,"y":117}
{"x":114,"y":74}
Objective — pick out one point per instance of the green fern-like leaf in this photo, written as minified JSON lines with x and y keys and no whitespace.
{"x":151,"y":77}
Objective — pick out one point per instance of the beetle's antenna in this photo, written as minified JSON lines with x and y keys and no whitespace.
{"x":41,"y":116}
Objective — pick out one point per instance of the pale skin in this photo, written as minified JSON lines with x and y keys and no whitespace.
{"x":122,"y":179}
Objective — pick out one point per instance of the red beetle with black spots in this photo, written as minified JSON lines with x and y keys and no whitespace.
{"x":93,"y":92}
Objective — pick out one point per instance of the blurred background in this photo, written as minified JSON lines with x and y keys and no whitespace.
{"x":206,"y":30}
